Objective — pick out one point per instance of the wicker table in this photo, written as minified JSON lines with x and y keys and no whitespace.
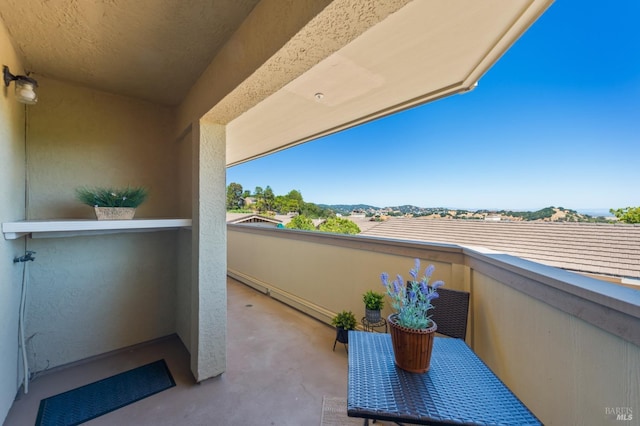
{"x":458,"y":388}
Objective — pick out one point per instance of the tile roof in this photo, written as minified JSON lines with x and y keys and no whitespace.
{"x":250,"y":218}
{"x":593,"y":248}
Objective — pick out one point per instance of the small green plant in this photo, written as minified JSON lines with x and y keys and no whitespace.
{"x":112,"y":197}
{"x":373,"y":301}
{"x":345,"y":320}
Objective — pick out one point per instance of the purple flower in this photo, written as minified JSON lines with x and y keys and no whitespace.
{"x":384,"y":277}
{"x":429,"y":271}
{"x":396,"y":287}
{"x":432,"y":295}
{"x":414,"y":274}
{"x":437,"y":284}
{"x":424,"y":288}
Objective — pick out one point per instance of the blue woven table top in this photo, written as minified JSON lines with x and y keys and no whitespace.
{"x":458,"y":388}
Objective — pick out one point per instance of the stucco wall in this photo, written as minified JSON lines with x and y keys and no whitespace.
{"x":208,"y":248}
{"x":321,"y":277}
{"x":567,"y":370}
{"x":183,"y":286}
{"x":12,"y":188}
{"x":90,"y":295}
{"x":93,"y":294}
{"x":79,"y":136}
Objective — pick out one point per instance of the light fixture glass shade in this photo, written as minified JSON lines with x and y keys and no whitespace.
{"x":25,"y":92}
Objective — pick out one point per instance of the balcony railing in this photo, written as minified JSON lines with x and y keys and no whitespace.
{"x":567,"y":345}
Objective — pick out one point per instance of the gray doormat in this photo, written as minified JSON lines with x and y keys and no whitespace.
{"x":95,"y":399}
{"x":334,"y":413}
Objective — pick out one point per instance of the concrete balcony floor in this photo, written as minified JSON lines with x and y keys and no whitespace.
{"x":279,"y":367}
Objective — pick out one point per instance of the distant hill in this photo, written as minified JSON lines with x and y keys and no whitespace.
{"x":345,"y":209}
{"x":547,"y":214}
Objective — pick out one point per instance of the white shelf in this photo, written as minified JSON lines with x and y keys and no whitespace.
{"x":77,"y":227}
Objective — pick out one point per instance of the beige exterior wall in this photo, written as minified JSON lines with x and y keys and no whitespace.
{"x":566,"y":370}
{"x":83,"y":137}
{"x":93,"y":294}
{"x":319,"y":278}
{"x":12,"y":188}
{"x":208,"y":340}
{"x":183,"y":285}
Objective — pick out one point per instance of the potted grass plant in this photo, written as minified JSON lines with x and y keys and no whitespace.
{"x":411,"y":327}
{"x":113,"y":203}
{"x":373,"y":304}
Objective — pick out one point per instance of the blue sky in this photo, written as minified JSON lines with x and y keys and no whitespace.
{"x":555,"y":122}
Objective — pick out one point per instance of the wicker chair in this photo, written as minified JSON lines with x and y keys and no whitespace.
{"x":450,"y":312}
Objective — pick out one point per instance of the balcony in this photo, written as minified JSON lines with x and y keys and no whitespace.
{"x":248,"y":91}
{"x":547,"y":333}
{"x":567,"y":345}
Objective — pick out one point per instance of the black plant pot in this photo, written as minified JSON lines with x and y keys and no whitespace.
{"x":342,"y":335}
{"x":373,"y":315}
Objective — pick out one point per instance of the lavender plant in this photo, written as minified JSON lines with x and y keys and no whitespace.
{"x":412,"y":300}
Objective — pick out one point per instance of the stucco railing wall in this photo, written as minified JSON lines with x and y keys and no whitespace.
{"x":322,"y":274}
{"x":566,"y":345}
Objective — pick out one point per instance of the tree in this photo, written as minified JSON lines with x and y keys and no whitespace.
{"x":268,"y":199}
{"x":339,"y":225}
{"x":234,"y":196}
{"x":295,"y":195}
{"x":315,"y":211}
{"x":301,"y":222}
{"x":284,"y":205}
{"x":627,"y":215}
{"x":258,"y":194}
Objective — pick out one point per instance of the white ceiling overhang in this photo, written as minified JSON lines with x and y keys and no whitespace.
{"x":427,"y":50}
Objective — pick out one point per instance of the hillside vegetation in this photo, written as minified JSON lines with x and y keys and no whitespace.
{"x":547,"y":214}
{"x":264,"y":201}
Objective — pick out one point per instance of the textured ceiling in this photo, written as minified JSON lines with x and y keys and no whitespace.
{"x":148,"y":49}
{"x":368,"y":58}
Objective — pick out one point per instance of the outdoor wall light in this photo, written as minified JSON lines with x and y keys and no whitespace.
{"x":25,"y":86}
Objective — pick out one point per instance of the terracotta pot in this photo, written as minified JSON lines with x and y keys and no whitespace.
{"x":411,"y":348}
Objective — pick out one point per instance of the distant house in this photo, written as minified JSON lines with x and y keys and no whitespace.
{"x":253,"y":219}
{"x":248,"y":201}
{"x":493,"y":217}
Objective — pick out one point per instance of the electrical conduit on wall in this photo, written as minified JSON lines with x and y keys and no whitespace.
{"x":28,"y":256}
